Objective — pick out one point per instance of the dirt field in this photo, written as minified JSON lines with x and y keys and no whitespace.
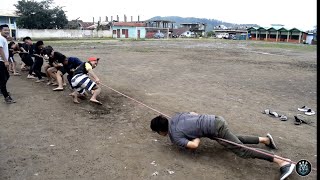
{"x":45,"y":136}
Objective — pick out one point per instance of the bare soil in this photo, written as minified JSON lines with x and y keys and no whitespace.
{"x":45,"y":136}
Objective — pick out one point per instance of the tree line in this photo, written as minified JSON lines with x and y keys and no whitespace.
{"x":40,"y":15}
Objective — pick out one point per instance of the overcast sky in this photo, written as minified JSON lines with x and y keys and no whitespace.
{"x":292,"y":13}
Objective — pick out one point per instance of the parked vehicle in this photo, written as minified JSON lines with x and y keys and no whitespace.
{"x":158,"y":35}
{"x":222,"y":35}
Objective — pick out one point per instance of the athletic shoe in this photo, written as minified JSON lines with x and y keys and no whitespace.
{"x":272,"y":144}
{"x":9,"y":100}
{"x":303,"y":108}
{"x":30,"y":77}
{"x":286,"y":170}
{"x":39,"y":80}
{"x":309,"y":112}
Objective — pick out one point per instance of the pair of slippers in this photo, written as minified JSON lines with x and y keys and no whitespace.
{"x":275,"y":114}
{"x":307,"y":111}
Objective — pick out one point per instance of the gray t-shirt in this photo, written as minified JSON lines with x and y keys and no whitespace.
{"x":184,"y":127}
{"x":4,"y":46}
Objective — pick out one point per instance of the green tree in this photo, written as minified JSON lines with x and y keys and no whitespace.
{"x":40,"y":15}
{"x":210,"y":34}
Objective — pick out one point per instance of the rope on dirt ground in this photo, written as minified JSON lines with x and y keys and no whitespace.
{"x":135,"y":100}
{"x":224,"y":140}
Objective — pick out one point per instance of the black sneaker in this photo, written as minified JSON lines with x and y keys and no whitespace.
{"x":286,"y":170}
{"x":9,"y":100}
{"x":272,"y":144}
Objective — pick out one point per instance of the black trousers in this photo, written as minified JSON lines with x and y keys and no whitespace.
{"x":27,"y":59}
{"x":4,"y":76}
{"x":37,"y":67}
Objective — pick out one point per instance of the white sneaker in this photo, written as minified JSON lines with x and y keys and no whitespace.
{"x":39,"y":80}
{"x":310,"y":112}
{"x":304,"y":108}
{"x":30,"y":77}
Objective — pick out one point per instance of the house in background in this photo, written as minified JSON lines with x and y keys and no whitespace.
{"x":180,"y":32}
{"x":135,"y":30}
{"x":10,"y":18}
{"x":79,"y":24}
{"x":164,"y":27}
{"x":197,"y":28}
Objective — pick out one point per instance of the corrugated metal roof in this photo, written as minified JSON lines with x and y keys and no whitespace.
{"x":8,"y":13}
{"x":129,"y":24}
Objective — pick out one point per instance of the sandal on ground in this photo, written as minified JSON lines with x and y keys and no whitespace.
{"x":267,"y":111}
{"x":58,"y":89}
{"x":303,"y":108}
{"x":275,"y":114}
{"x":309,"y":112}
{"x":96,"y":102}
{"x":272,"y":144}
{"x":283,"y":118}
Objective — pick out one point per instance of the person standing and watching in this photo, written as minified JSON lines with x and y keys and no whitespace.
{"x":4,"y":63}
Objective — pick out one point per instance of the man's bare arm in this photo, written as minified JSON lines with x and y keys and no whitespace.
{"x":91,"y":73}
{"x":193,"y":144}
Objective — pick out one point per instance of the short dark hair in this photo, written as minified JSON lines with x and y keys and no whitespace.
{"x":3,"y":26}
{"x":26,"y":38}
{"x":10,"y":44}
{"x":39,"y":43}
{"x":59,"y":57}
{"x":159,"y":123}
{"x":47,"y":50}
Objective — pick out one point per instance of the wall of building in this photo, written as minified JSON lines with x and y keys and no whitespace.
{"x":309,"y":38}
{"x":62,"y":33}
{"x":132,"y":32}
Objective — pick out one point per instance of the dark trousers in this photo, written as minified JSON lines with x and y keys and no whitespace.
{"x":27,"y":59}
{"x":222,"y":131}
{"x":4,"y":76}
{"x":37,"y":67}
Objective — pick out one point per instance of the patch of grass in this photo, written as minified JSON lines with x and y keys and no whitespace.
{"x":303,"y":47}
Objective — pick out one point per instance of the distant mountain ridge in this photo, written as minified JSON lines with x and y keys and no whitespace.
{"x":210,"y":22}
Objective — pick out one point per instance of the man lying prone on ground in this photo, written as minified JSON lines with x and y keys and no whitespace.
{"x":186,"y":129}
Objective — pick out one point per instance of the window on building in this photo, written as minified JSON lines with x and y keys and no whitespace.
{"x":114,"y":32}
{"x":123,"y":31}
